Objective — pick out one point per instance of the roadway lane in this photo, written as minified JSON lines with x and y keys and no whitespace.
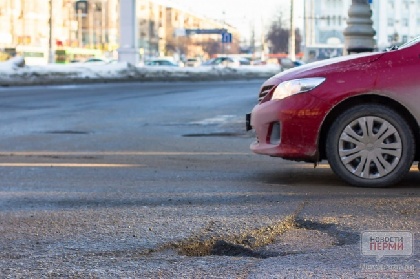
{"x":139,"y":179}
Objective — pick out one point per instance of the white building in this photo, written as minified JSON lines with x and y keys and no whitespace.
{"x":325,"y":21}
{"x":395,"y":21}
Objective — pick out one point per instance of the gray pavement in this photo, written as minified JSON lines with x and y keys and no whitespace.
{"x":148,"y":180}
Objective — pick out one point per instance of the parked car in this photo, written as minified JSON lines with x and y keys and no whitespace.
{"x":160,"y":62}
{"x":360,"y":112}
{"x":298,"y":63}
{"x":226,"y":61}
{"x":286,"y":63}
{"x":192,"y":62}
{"x":98,"y":60}
{"x":244,"y":61}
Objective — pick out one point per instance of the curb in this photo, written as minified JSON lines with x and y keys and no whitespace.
{"x":26,"y":76}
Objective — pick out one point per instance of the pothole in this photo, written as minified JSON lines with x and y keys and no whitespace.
{"x":224,"y":248}
{"x":65,"y":157}
{"x":68,"y":132}
{"x":266,"y":242}
{"x":216,"y":134}
{"x":218,"y":120}
{"x":341,"y":237}
{"x":247,"y":244}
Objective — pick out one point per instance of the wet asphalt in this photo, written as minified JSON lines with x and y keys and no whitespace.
{"x":156,"y":180}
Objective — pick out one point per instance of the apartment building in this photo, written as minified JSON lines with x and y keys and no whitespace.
{"x":84,"y":28}
{"x":325,"y":20}
{"x":151,"y":29}
{"x":25,"y":27}
{"x":395,"y":21}
{"x":196,"y":45}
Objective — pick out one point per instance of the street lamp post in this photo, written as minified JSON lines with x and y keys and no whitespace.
{"x":103,"y":24}
{"x":292,"y":38}
{"x":128,"y":51}
{"x":359,"y":32}
{"x":50,"y":34}
{"x":11,"y":12}
{"x":90,"y":15}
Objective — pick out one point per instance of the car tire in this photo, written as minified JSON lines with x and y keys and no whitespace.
{"x":370,"y":146}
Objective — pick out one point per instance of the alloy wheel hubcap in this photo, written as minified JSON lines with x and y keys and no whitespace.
{"x":370,"y":147}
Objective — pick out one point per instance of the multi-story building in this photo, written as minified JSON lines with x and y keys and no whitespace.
{"x":82,"y":28}
{"x":23,"y":23}
{"x":324,"y":21}
{"x":151,"y":30}
{"x":395,"y":21}
{"x":181,"y":43}
{"x":25,"y":28}
{"x":90,"y":24}
{"x":20,"y":27}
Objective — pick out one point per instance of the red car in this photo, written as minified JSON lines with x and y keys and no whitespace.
{"x":360,"y":112}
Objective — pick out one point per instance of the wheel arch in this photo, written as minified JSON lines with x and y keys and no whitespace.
{"x":366,"y":99}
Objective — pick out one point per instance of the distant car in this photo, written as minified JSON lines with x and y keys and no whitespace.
{"x":360,"y":112}
{"x":258,"y":62}
{"x":208,"y":62}
{"x":244,"y":61}
{"x":286,"y":63}
{"x":226,"y":61}
{"x":192,"y":62}
{"x":298,"y":63}
{"x":98,"y":60}
{"x":160,"y":62}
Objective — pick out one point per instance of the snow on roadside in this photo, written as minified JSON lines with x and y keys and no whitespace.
{"x":12,"y":64}
{"x":14,"y":72}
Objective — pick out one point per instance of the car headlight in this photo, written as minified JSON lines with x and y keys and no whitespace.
{"x":295,"y":86}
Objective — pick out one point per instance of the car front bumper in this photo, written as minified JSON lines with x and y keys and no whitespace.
{"x":248,"y":126}
{"x":288,"y":128}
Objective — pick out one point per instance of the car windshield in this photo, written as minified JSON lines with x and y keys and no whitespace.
{"x":410,"y":43}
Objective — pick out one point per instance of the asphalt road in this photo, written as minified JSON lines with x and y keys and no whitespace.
{"x":156,"y":180}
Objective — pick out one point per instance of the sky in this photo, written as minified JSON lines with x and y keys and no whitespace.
{"x":242,"y":14}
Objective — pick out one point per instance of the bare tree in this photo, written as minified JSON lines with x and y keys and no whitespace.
{"x":278,"y":36}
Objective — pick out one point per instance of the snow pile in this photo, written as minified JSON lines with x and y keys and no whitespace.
{"x":12,"y":64}
{"x":14,"y":72}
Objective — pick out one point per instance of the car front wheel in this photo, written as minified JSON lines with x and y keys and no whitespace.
{"x":370,"y":146}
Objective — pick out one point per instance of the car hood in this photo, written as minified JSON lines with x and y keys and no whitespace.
{"x":320,"y":68}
